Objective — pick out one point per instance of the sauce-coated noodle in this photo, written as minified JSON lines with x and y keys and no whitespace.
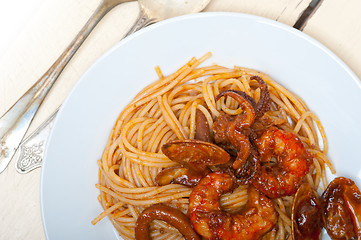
{"x":165,"y":110}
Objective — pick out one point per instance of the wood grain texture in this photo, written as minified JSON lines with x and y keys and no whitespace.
{"x":337,"y":24}
{"x":285,"y":11}
{"x":37,"y":46}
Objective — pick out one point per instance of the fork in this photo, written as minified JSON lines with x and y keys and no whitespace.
{"x":15,"y":122}
{"x":151,"y":11}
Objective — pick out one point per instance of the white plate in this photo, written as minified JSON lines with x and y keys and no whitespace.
{"x":301,"y":64}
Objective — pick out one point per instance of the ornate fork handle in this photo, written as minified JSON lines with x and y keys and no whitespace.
{"x":32,"y":148}
{"x":15,"y":122}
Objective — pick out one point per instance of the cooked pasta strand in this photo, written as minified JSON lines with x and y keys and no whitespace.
{"x":166,"y":110}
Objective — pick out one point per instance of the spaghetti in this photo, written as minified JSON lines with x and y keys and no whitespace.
{"x":166,"y":110}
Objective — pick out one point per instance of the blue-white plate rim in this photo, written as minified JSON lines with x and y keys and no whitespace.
{"x":292,"y":58}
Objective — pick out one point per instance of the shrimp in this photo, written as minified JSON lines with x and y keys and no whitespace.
{"x":209,"y":220}
{"x":293,"y":162}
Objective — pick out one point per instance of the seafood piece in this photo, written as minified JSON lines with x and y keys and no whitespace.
{"x":202,"y":132}
{"x":240,"y":141}
{"x":209,"y":220}
{"x":178,"y":175}
{"x":229,"y":130}
{"x":265,"y":98}
{"x":248,"y":105}
{"x":194,"y":154}
{"x":247,"y":172}
{"x":168,"y":214}
{"x":266,"y":121}
{"x":341,"y":203}
{"x":221,"y":131}
{"x":306,"y":214}
{"x":284,"y":163}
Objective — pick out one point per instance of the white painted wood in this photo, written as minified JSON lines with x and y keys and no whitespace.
{"x":46,"y":31}
{"x":39,"y":39}
{"x":285,"y":11}
{"x":337,"y":25}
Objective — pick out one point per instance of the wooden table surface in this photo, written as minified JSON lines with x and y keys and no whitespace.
{"x":35,"y":32}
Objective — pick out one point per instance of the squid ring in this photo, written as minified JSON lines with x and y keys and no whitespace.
{"x":168,"y":214}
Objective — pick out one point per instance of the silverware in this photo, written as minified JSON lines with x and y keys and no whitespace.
{"x":302,"y":20}
{"x":32,"y":148}
{"x":16,"y":121}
